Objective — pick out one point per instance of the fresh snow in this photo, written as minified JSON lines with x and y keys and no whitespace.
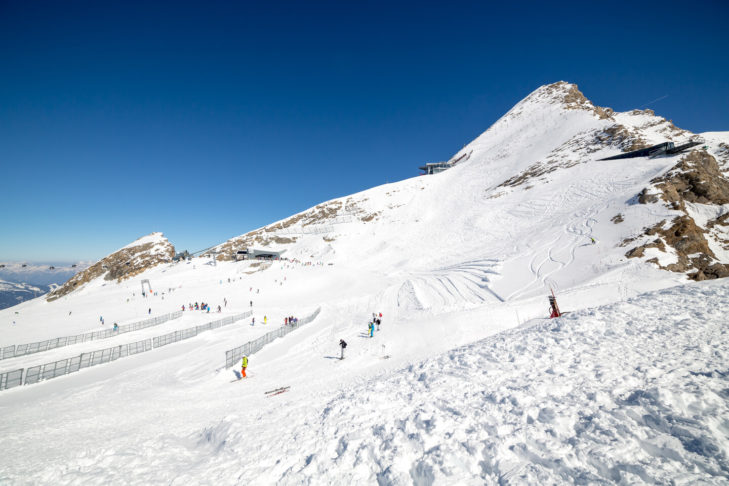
{"x":467,"y":382}
{"x":155,"y":238}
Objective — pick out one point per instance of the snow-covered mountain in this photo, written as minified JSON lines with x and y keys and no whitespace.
{"x":21,"y":281}
{"x":12,"y":293}
{"x":466,"y":382}
{"x":517,"y":212}
{"x":133,"y":259}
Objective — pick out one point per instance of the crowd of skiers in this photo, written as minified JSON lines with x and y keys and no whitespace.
{"x":376,"y":321}
{"x":203,"y":306}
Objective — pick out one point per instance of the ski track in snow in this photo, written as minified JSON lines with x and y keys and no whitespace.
{"x":455,"y":388}
{"x":634,"y":392}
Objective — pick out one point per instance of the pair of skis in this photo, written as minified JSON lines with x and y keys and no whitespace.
{"x":277,"y":391}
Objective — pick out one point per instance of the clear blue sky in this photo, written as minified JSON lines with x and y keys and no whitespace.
{"x":205,"y":120}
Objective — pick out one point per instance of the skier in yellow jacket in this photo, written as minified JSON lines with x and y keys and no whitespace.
{"x":243,"y":366}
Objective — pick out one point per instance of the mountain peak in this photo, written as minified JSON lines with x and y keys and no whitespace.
{"x":141,"y":254}
{"x":568,"y":95}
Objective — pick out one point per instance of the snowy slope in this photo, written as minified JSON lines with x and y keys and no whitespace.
{"x":451,"y":390}
{"x":632,"y":392}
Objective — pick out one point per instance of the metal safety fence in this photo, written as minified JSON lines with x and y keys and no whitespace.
{"x":11,"y":379}
{"x":38,"y":347}
{"x":173,"y":337}
{"x":236,"y":354}
{"x":47,"y":371}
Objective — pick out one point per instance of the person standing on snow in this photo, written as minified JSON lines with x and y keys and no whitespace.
{"x":371,"y":328}
{"x":342,"y":344}
{"x":243,"y":366}
{"x":377,"y":321}
{"x":265,"y":320}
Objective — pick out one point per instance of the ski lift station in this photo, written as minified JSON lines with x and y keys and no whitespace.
{"x":434,"y":167}
{"x":251,"y":254}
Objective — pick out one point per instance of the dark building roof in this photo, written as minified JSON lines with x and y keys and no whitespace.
{"x":665,"y":148}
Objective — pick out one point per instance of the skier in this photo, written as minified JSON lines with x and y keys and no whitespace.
{"x":243,"y":366}
{"x":251,"y":303}
{"x":342,"y":344}
{"x":265,"y":320}
{"x":378,"y":321}
{"x":116,"y":327}
{"x":371,"y":327}
{"x":225,"y":302}
{"x":149,"y":311}
{"x":253,"y":321}
{"x":592,"y":240}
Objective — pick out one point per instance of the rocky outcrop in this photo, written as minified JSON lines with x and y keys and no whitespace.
{"x":267,"y":236}
{"x":695,"y":179}
{"x":131,"y":260}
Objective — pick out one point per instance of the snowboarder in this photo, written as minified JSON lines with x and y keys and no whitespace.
{"x":243,"y":366}
{"x":342,"y":344}
{"x":371,"y":328}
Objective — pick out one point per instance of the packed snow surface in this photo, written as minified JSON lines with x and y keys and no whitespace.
{"x":630,"y":392}
{"x":465,"y":382}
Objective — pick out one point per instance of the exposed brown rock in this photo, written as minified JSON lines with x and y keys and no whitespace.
{"x":696,"y":179}
{"x":370,"y":217}
{"x":573,"y":99}
{"x":690,"y":246}
{"x":619,"y":136}
{"x":618,"y":218}
{"x":319,"y":214}
{"x":121,"y":265}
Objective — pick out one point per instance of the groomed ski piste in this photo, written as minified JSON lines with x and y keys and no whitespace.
{"x":466,"y":382}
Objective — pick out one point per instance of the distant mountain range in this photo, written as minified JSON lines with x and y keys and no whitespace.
{"x":24,"y":281}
